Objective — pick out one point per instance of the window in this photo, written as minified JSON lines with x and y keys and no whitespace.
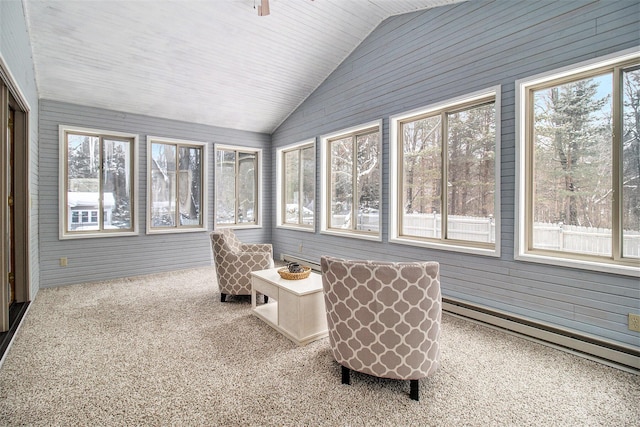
{"x":351,"y":182}
{"x":579,"y":147}
{"x":444,"y":175}
{"x":177,"y":189}
{"x":97,"y":183}
{"x":296,"y":166}
{"x":237,"y":178}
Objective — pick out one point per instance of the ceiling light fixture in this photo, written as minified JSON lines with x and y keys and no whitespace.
{"x":263,"y":8}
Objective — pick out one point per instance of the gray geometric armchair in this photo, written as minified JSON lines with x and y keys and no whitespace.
{"x":235,"y":261}
{"x":384,"y":318}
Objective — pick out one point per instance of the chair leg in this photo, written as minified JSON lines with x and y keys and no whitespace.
{"x":222,"y":297}
{"x":346,"y":379}
{"x":415,"y":389}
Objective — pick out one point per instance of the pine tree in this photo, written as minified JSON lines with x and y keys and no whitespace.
{"x":572,"y":139}
{"x":631,"y":150}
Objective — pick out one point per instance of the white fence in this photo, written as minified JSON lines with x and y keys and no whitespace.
{"x":584,"y":240}
{"x":369,"y":221}
{"x":559,"y":237}
{"x":475,"y":229}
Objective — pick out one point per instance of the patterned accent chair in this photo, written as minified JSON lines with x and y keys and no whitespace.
{"x":384,"y":318}
{"x":235,"y":261}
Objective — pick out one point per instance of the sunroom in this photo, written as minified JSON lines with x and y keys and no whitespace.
{"x":498,"y":138}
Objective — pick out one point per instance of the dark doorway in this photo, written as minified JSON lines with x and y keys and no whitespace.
{"x":14,"y":210}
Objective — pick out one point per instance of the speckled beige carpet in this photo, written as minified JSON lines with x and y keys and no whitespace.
{"x":162,"y":350}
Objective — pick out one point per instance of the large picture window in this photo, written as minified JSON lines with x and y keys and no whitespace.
{"x":444,"y":175}
{"x":296,"y":166}
{"x":351,"y":182}
{"x":237,"y":178}
{"x":97,"y":183}
{"x":177,"y":185}
{"x":580,"y":166}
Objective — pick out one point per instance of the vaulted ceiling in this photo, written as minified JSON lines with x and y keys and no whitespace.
{"x":213,"y":62}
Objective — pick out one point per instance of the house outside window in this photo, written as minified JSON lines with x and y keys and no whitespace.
{"x":579,"y":166}
{"x":176,"y":185}
{"x":351,"y":182}
{"x":296,"y":171}
{"x":237,"y":183}
{"x":444,"y":179}
{"x":98,"y":183}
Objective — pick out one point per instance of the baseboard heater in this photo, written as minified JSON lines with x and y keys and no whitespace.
{"x":290,"y":258}
{"x":591,"y":347}
{"x":598,"y":349}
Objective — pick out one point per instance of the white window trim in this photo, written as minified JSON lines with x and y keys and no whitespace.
{"x":62,"y":174}
{"x":521,"y":88}
{"x":258,"y":151}
{"x":205,"y":192}
{"x":394,"y":171}
{"x":279,"y":183}
{"x":324,"y":179}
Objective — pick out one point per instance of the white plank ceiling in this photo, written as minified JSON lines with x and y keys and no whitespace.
{"x":213,"y":62}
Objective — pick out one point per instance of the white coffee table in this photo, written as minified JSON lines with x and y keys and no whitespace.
{"x":295,"y":307}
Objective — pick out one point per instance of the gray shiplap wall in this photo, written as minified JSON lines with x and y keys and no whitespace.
{"x":15,"y":49}
{"x":108,"y":258}
{"x":418,"y":59}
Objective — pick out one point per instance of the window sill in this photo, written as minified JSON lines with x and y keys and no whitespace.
{"x":171,"y":230}
{"x":603,"y":267}
{"x":494,"y":252}
{"x":353,"y":235}
{"x":237,"y":226}
{"x":297,"y":228}
{"x":90,"y":235}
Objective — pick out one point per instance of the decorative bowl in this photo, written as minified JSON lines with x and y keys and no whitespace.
{"x":286,"y":274}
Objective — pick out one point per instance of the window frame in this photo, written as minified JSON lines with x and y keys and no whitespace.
{"x":396,"y":180}
{"x":178,"y":143}
{"x":258,"y":183}
{"x":63,"y":173}
{"x":325,"y":190}
{"x":523,"y":239}
{"x":280,"y":183}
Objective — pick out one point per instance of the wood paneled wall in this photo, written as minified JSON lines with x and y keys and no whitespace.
{"x":107,"y":258}
{"x":15,"y":49}
{"x":419,"y":59}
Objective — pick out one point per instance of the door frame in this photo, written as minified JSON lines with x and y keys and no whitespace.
{"x":10,"y":95}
